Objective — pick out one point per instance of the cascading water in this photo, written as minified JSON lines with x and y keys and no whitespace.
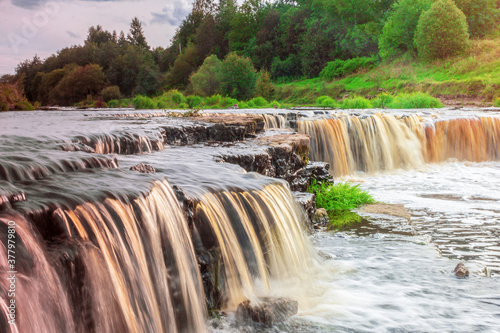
{"x":274,"y":121}
{"x":384,"y":142}
{"x":261,"y":239}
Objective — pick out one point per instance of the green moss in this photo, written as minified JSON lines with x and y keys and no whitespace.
{"x":341,"y":219}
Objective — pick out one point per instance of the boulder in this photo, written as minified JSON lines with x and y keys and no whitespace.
{"x":461,"y":271}
{"x":320,"y":218}
{"x":267,"y":310}
{"x":144,"y":168}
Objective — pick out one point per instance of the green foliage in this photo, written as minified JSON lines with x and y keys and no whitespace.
{"x":114,"y":103}
{"x":206,"y":81}
{"x":143,"y":102}
{"x":258,"y":102}
{"x":339,"y":196}
{"x":338,"y":67}
{"x":414,"y":101}
{"x":226,"y":102}
{"x":111,"y":93}
{"x":341,"y":219}
{"x":80,"y":82}
{"x":356,"y":103}
{"x":482,"y":15}
{"x":442,"y":31}
{"x":213,"y":100}
{"x":176,"y":97}
{"x":194,"y":101}
{"x":497,"y":102}
{"x":185,"y":64}
{"x":291,"y":67}
{"x":264,"y":87}
{"x":399,"y":29}
{"x":383,"y":100}
{"x":326,"y":101}
{"x":238,"y":77}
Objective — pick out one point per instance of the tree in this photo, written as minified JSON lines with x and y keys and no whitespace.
{"x":136,"y":35}
{"x":185,"y":64}
{"x":264,"y":86}
{"x":398,"y":33}
{"x":238,"y":77}
{"x":441,"y":31}
{"x":82,"y":81}
{"x":98,"y":35}
{"x":482,"y":15}
{"x":206,"y":81}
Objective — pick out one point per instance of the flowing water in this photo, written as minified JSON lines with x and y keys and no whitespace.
{"x":104,"y":249}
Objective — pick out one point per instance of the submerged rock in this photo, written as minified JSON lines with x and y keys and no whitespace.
{"x":461,"y":271}
{"x":268,"y":310}
{"x":144,"y":168}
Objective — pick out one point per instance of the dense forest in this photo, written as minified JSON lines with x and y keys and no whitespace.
{"x":240,"y":51}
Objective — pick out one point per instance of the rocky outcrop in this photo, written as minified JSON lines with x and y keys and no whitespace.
{"x":320,"y":218}
{"x":224,"y":128}
{"x":143,"y":168}
{"x":307,"y":201}
{"x":267,"y":310}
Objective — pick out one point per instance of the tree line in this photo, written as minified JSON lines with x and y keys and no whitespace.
{"x":237,"y":50}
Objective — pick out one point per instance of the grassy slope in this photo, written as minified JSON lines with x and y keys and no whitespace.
{"x":473,"y":76}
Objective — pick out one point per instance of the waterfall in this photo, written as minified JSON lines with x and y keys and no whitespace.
{"x":274,"y":121}
{"x":125,"y":266}
{"x":384,"y":142}
{"x":260,"y":237}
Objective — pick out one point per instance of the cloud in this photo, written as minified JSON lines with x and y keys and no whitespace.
{"x":72,"y":34}
{"x":28,"y":4}
{"x":173,"y":13}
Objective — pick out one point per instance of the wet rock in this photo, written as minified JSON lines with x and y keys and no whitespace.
{"x":307,"y":201}
{"x":268,"y":310}
{"x":320,"y":218}
{"x":302,"y":177}
{"x":143,"y":168}
{"x":461,"y":271}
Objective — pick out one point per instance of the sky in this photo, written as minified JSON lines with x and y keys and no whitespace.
{"x":42,"y":27}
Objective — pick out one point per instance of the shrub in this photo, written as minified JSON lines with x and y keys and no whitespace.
{"x":226,"y":102}
{"x":258,"y":102}
{"x":326,"y":101}
{"x":291,"y":67}
{"x":275,"y":104}
{"x":143,"y":102}
{"x":206,"y":81}
{"x":356,"y":103}
{"x":416,"y":100}
{"x":177,"y":97}
{"x":441,"y":31}
{"x":482,"y":15}
{"x":243,"y":105}
{"x":399,"y":29}
{"x":213,"y":100}
{"x":183,"y":106}
{"x":264,"y":86}
{"x":194,"y":101}
{"x":497,"y":102}
{"x":339,"y":196}
{"x":111,"y":92}
{"x":338,"y":67}
{"x":114,"y":103}
{"x":382,"y":100}
{"x":238,"y":77}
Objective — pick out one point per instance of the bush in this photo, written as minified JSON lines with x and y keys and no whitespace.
{"x":258,"y":102}
{"x":338,"y":68}
{"x":143,"y":102}
{"x":206,"y":81}
{"x":482,"y":15}
{"x":339,"y":196}
{"x":382,"y":100}
{"x":326,"y":101}
{"x":399,"y":29}
{"x":275,"y":104}
{"x":114,"y":103}
{"x":356,"y":103}
{"x":497,"y":102}
{"x":442,"y":31}
{"x":213,"y":100}
{"x":177,"y":97}
{"x":291,"y":67}
{"x":416,"y":100}
{"x":238,"y":77}
{"x":264,"y":86}
{"x":111,"y":92}
{"x":226,"y":102}
{"x":194,"y":101}
{"x":243,"y":105}
{"x":183,"y":106}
